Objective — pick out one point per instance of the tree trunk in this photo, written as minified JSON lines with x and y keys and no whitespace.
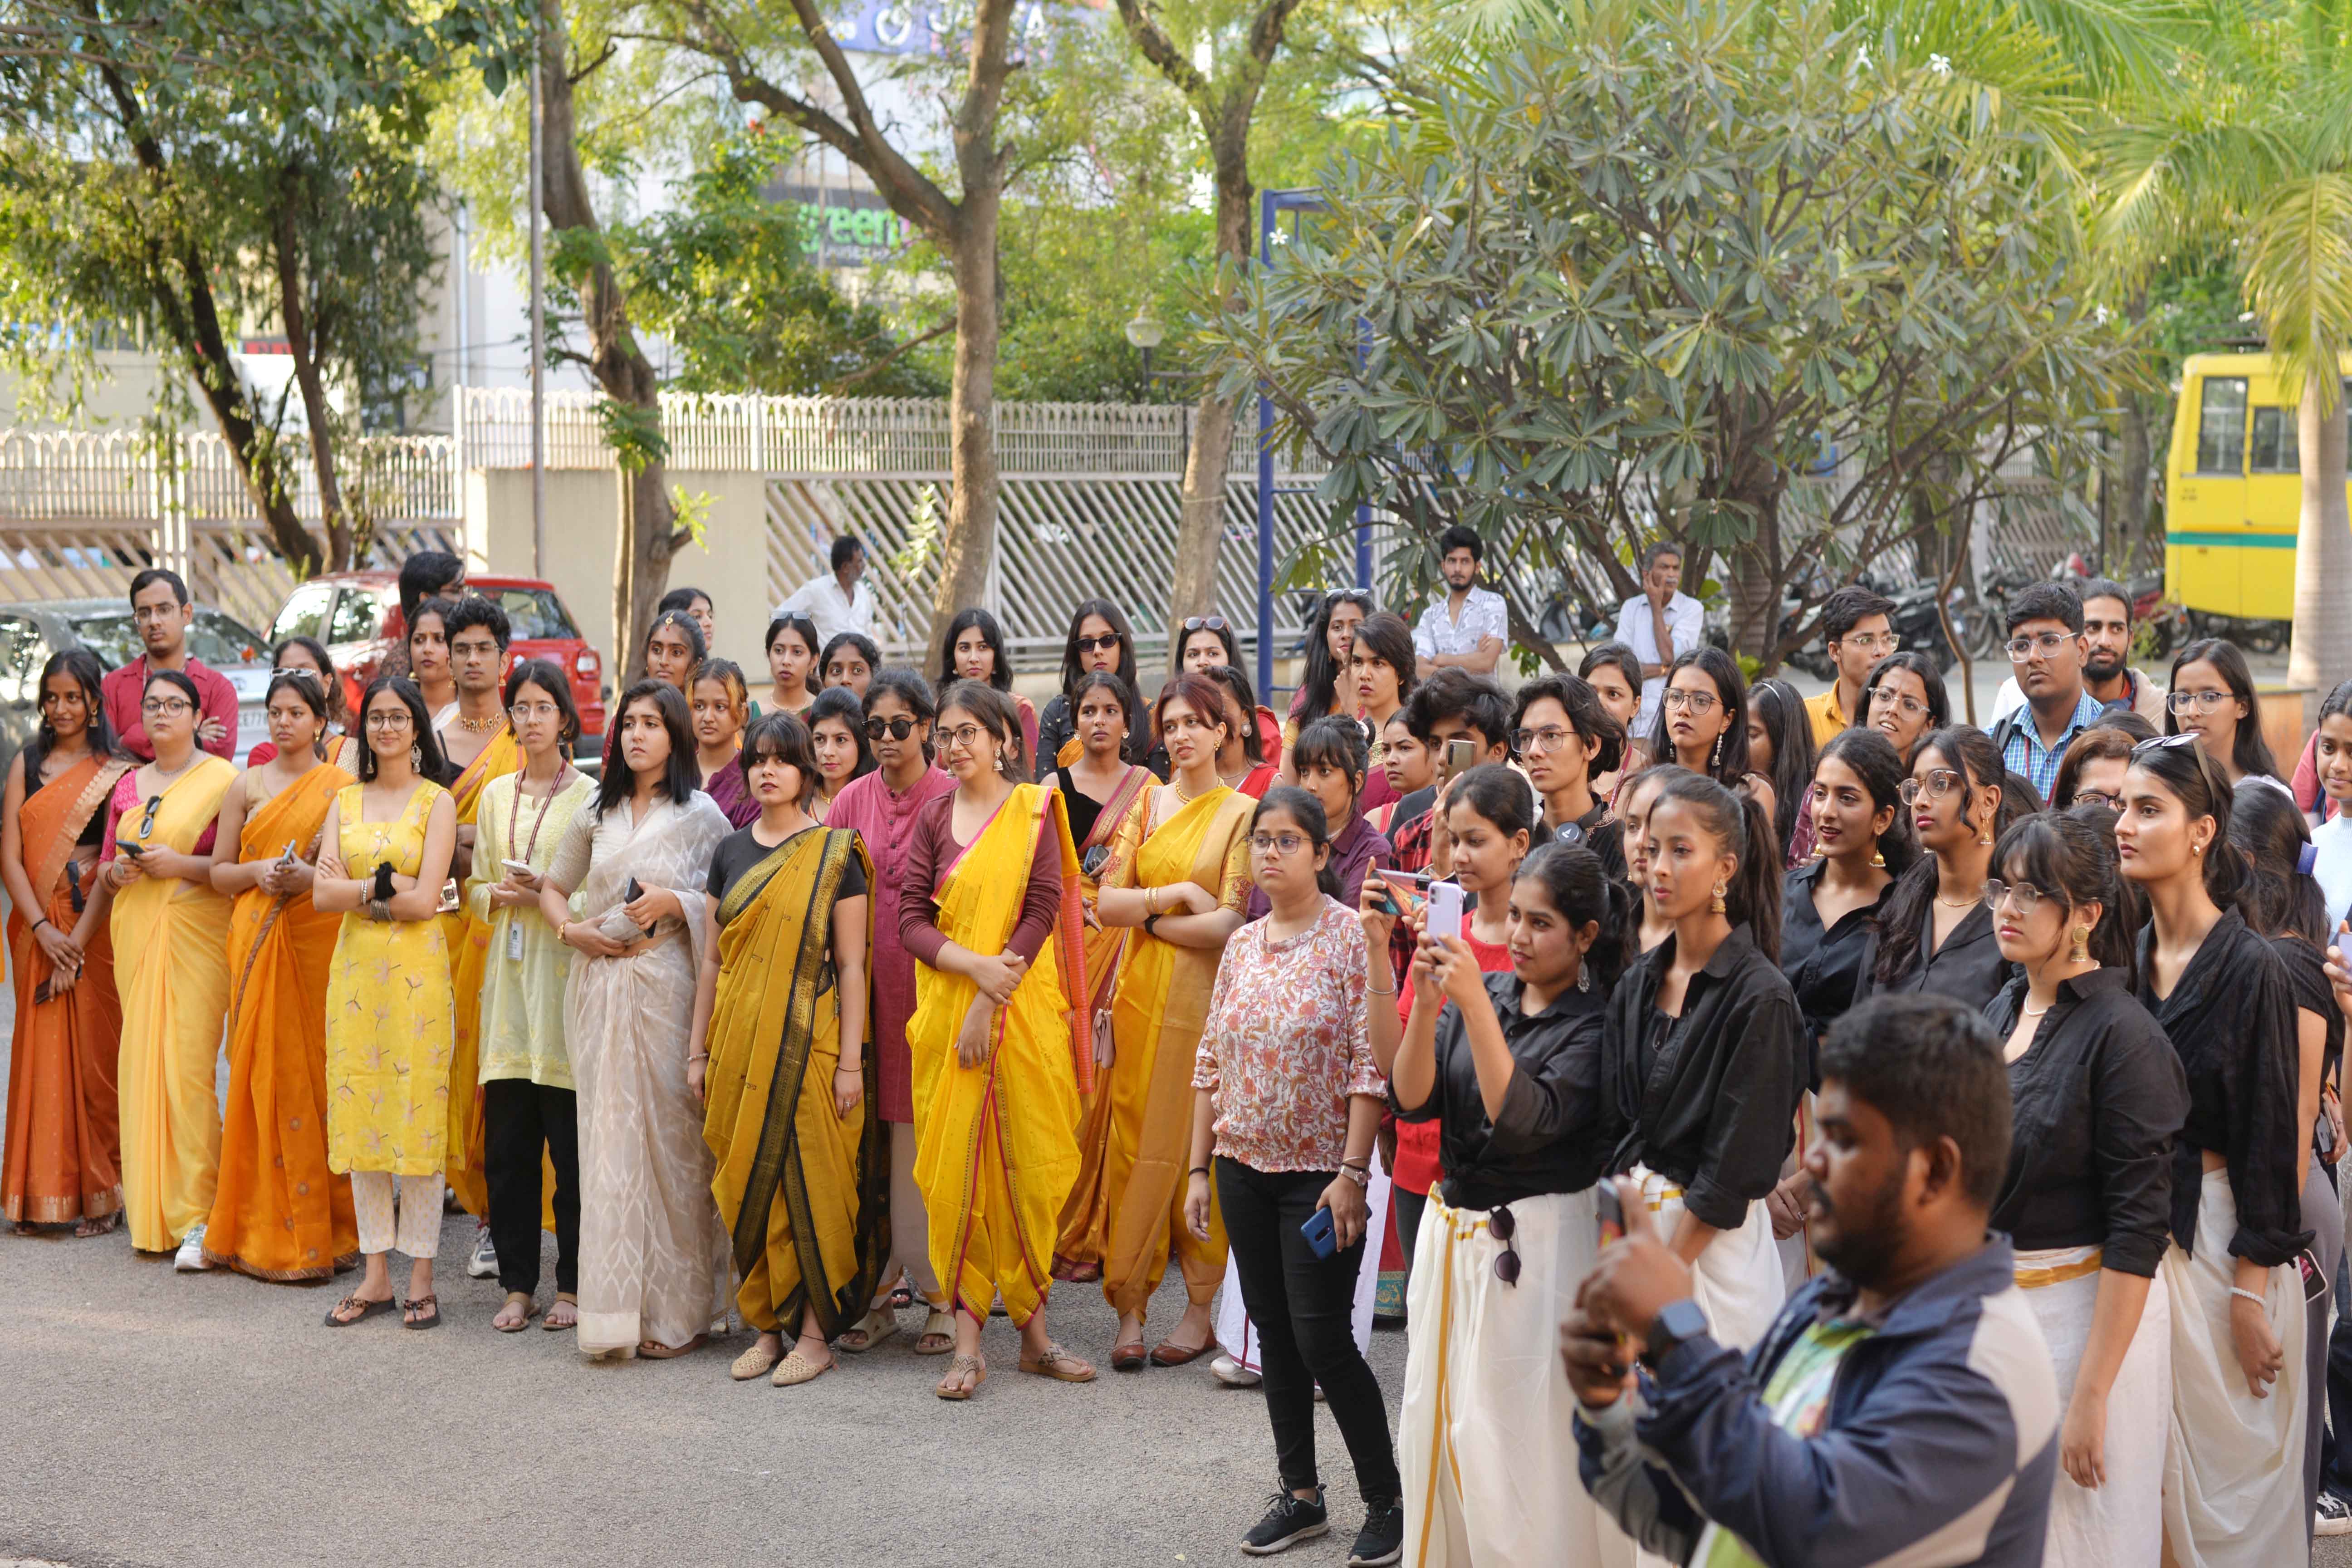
{"x":649,"y":533}
{"x":306,"y":375}
{"x":2321,"y":654}
{"x":2127,"y":518}
{"x":1201,"y":525}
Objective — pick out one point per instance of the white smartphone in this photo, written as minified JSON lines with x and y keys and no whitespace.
{"x":519,"y":868}
{"x":1444,"y":918}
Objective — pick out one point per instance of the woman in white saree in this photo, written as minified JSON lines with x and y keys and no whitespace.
{"x":653,"y":1254}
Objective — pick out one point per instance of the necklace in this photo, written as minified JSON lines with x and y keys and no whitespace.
{"x":2035,"y":1012}
{"x":480,"y":726}
{"x":1959,"y":903}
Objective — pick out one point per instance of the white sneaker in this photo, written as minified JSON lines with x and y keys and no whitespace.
{"x":1232,"y":1374}
{"x":484,"y":1263}
{"x":191,"y":1257}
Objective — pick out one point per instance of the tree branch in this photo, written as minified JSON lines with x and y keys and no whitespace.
{"x":865,"y":372}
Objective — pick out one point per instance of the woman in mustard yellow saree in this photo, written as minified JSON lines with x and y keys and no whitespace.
{"x":778,"y":1058}
{"x":1180,"y":871}
{"x":1000,"y":1036}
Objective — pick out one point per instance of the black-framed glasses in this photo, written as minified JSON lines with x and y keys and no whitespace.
{"x":2114,"y":803}
{"x":1109,"y":642}
{"x":147,"y":822}
{"x":1502,"y":1226}
{"x":1205,"y":624}
{"x":896,"y":729}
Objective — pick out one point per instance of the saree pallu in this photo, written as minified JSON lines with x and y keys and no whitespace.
{"x":62,"y":1162}
{"x":997,"y":1151}
{"x":1086,"y":1224}
{"x":1156,"y":1019}
{"x":805,"y":1194}
{"x":171,"y":945}
{"x":470,"y":957}
{"x":2122,"y":1522}
{"x":279,"y":1212}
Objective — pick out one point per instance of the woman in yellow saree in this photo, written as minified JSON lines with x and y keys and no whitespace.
{"x":779,"y":1058}
{"x":279,"y":1212}
{"x":1000,"y":1035}
{"x":1181,"y":871}
{"x":170,"y":944}
{"x":63,"y":1159}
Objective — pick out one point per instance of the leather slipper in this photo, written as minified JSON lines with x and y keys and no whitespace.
{"x":1168,"y":1352}
{"x":1128,"y":1358}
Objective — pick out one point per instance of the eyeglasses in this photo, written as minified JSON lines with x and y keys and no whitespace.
{"x":2029,"y":897}
{"x":2114,"y":803}
{"x":161,"y":707}
{"x":1910,"y":706}
{"x":1107,"y":643}
{"x":896,"y":729}
{"x":390,"y":719}
{"x":1698,"y":702}
{"x":1502,"y":1226}
{"x":2047,"y":644}
{"x":2203,"y":701}
{"x":1551,"y":738}
{"x":1282,"y":844}
{"x":962,"y":738}
{"x":146,"y":613}
{"x":1205,"y":624}
{"x":1940,"y":781}
{"x":1874,"y":643}
{"x":522,"y":712}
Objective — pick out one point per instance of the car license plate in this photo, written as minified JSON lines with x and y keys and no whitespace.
{"x":252,"y":729}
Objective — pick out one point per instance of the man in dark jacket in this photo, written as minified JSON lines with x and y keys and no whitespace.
{"x":1902,"y":1409}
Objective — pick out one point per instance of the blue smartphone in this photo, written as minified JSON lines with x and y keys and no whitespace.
{"x":1320,"y":1233}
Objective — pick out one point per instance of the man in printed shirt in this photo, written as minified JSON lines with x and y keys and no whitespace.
{"x":2046,"y":647}
{"x":1902,"y":1409}
{"x":1467,"y":629}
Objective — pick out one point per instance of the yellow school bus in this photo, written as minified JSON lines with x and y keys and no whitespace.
{"x":2236,"y":490}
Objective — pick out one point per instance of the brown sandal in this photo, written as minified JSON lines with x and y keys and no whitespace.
{"x":368,"y":1308}
{"x":432,"y":1306}
{"x":1058,"y":1364}
{"x":653,"y":1350}
{"x":1168,"y":1352}
{"x":562,"y":1298}
{"x":529,"y":1311}
{"x":956,"y":1369}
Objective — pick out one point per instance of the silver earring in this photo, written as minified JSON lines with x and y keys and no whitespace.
{"x":417,"y":759}
{"x":1583,"y":979}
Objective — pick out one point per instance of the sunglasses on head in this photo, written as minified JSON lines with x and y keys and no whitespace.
{"x":1205,"y":624}
{"x":2162,"y":744}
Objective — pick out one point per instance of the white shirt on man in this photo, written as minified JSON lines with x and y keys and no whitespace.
{"x":1637,"y":629}
{"x":821,"y":601}
{"x":1442,"y":630}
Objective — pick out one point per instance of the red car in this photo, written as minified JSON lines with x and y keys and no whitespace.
{"x":357,"y":615}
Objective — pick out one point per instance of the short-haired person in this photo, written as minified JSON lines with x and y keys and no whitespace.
{"x":1900,"y":1408}
{"x":2212,"y":698}
{"x":839,"y":599}
{"x":429,"y":574}
{"x":161,"y":614}
{"x":2108,"y":674}
{"x":1448,"y":707}
{"x":2098,"y":1097}
{"x":1564,"y":737}
{"x":850,"y":659}
{"x":2045,"y":646}
{"x":1101,"y":639}
{"x":1660,"y":623}
{"x":1469,"y":629}
{"x":1857,"y":634}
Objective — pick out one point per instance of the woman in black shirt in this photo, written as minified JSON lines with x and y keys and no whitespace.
{"x":1510,"y":1066}
{"x":1706,"y":1051}
{"x":1563,"y":737}
{"x":2098,"y":1097}
{"x":2234,"y":1473}
{"x":1831,"y":904}
{"x":1935,"y":932}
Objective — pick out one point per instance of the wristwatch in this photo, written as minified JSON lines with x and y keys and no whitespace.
{"x":1149,"y":923}
{"x":1680,"y":1321}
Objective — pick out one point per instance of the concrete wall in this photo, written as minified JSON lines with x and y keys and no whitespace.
{"x":583,"y":509}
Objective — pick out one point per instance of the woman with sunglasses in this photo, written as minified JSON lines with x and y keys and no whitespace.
{"x":1203,"y":642}
{"x":836,"y":726}
{"x":673,"y":651}
{"x":793,"y":652}
{"x":1282,"y":1099}
{"x":1001,"y":1037}
{"x":1330,"y":637}
{"x":1380,"y":665}
{"x":169,"y":933}
{"x":2212,"y":698}
{"x":64,"y":1158}
{"x":1904,"y":699}
{"x":2097,"y":1097}
{"x":881,"y":807}
{"x":849,"y":660}
{"x":1563,"y":737}
{"x":973,"y":650}
{"x":386,"y":847}
{"x":1703,"y":725}
{"x":1935,"y":932}
{"x":720,"y":701}
{"x":1781,"y":747}
{"x":1508,"y":1065}
{"x":2234,"y":1473}
{"x":280,"y":1212}
{"x":309,"y":656}
{"x":1100,"y":642}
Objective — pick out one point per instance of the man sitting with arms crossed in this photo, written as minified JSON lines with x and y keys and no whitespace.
{"x":1902,"y":1409}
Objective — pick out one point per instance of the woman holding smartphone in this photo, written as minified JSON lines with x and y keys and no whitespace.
{"x":279,"y":1212}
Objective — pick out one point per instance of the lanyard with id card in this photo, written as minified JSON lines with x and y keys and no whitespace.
{"x":519,"y":859}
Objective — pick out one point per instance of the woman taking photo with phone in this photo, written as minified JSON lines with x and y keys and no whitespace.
{"x":2233,"y":1478}
{"x":531,"y":1123}
{"x":1179,"y":870}
{"x":1284,"y":1100}
{"x":1000,"y":1032}
{"x":720,"y":704}
{"x":169,"y":933}
{"x":1100,"y":643}
{"x":783,"y":1070}
{"x":386,"y":846}
{"x":279,"y":1212}
{"x":1507,"y":1066}
{"x":63,"y":1159}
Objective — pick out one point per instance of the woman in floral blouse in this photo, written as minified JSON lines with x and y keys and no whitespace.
{"x":1287,"y":1093}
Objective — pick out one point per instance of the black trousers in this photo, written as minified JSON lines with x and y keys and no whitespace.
{"x":1410,"y":1207}
{"x":1303,"y":1306}
{"x":519,"y":1119}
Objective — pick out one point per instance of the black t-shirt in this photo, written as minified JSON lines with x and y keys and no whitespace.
{"x":739,"y":852}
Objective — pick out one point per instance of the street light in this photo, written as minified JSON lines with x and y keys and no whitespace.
{"x":1145,"y":332}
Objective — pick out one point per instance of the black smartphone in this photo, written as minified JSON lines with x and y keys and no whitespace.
{"x":130,"y":847}
{"x":1613,"y":1213}
{"x":630,"y":895}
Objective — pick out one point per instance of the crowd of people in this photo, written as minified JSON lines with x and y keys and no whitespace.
{"x":1830,"y":1130}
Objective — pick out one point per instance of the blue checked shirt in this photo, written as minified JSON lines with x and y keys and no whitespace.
{"x":2028,"y":757}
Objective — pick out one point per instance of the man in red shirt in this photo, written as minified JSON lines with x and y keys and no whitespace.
{"x":161,"y":610}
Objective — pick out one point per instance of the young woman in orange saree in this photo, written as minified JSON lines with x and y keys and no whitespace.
{"x":279,"y":1212}
{"x":62,"y":1164}
{"x":1000,"y":1032}
{"x":1182,"y":875}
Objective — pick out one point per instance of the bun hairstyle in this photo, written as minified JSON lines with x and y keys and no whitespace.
{"x":1872,"y":758}
{"x":2278,"y":898}
{"x":1590,"y":721}
{"x":1581,"y":891}
{"x":1308,"y":811}
{"x":1498,"y":794}
{"x":1736,"y":821}
{"x":2070,"y":857}
{"x":2197,"y":782}
{"x":691,"y":630}
{"x":1969,"y":751}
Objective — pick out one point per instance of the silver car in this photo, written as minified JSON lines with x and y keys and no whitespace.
{"x":30,"y":633}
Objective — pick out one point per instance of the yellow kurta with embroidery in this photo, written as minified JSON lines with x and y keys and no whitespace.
{"x":389,"y":1034}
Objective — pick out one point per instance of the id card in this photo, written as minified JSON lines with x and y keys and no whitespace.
{"x":514,"y":942}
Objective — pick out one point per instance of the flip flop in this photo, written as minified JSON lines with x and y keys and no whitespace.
{"x":569,"y":1299}
{"x":961,"y":1365}
{"x":433,"y":1307}
{"x":367,"y":1309}
{"x":529,"y":1311}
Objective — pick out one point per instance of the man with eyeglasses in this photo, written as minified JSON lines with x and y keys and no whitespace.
{"x":2108,"y":674}
{"x":1857,"y":633}
{"x":162,"y":613}
{"x":1659,"y":624}
{"x":1466,"y":630}
{"x":839,"y":600}
{"x":2045,"y":649}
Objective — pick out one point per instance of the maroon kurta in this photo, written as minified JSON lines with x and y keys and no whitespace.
{"x":886,"y":822}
